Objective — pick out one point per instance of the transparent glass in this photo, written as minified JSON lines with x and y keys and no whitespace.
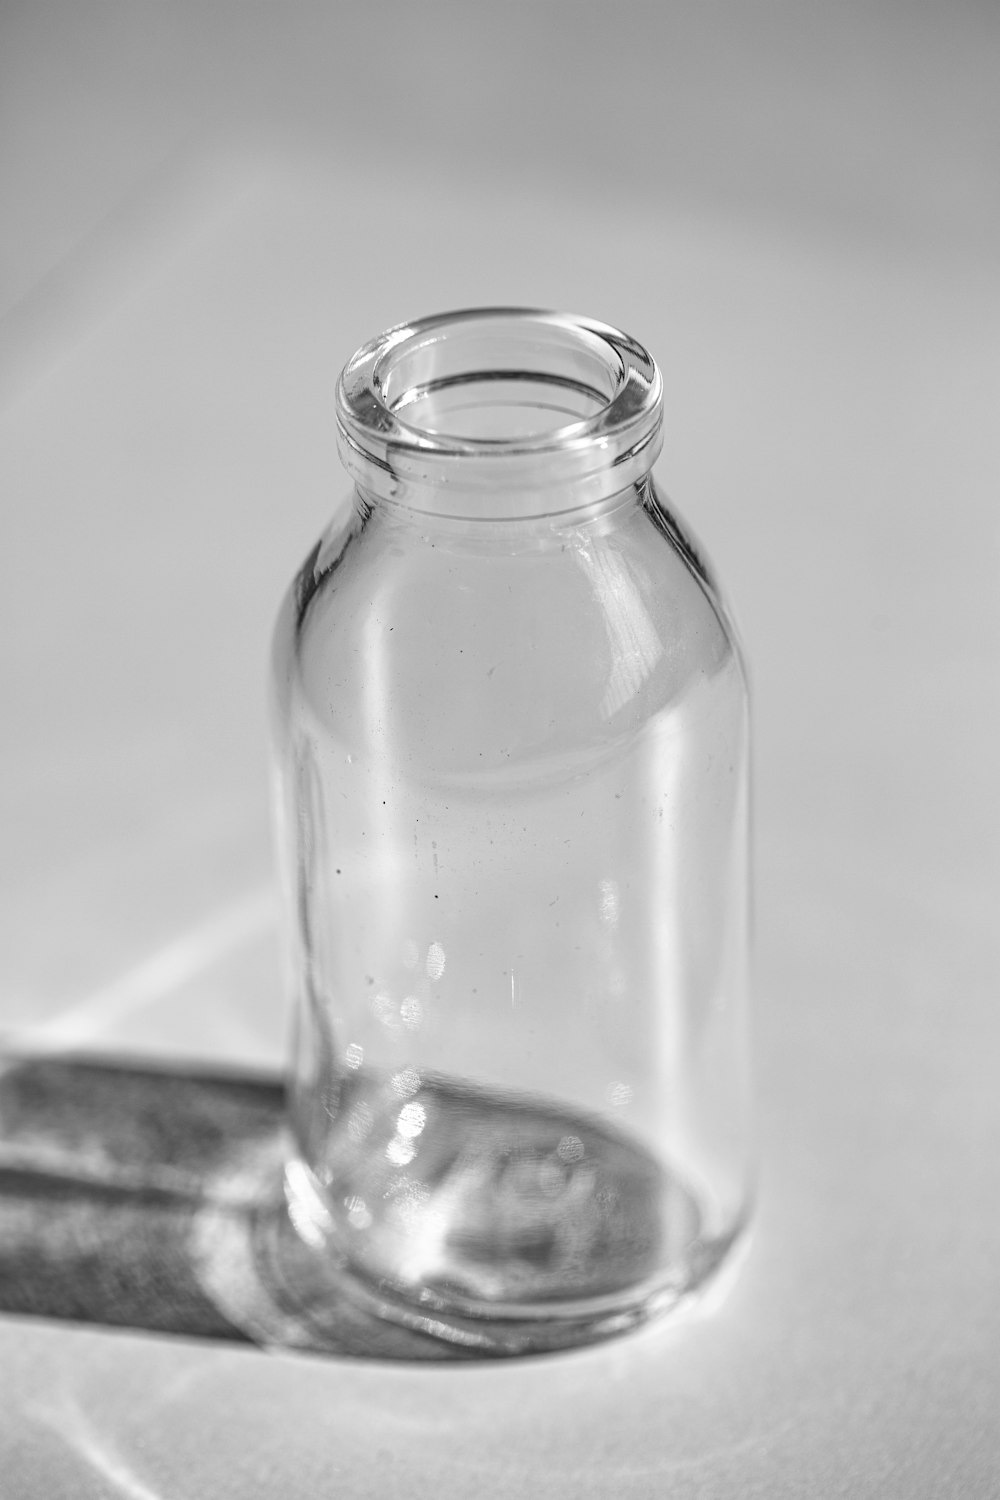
{"x":511,"y":749}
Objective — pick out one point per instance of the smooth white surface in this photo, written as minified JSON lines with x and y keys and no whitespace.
{"x":798,"y":215}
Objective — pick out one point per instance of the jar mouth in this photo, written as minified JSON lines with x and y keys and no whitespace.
{"x":498,"y":412}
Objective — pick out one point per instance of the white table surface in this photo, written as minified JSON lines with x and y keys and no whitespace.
{"x":204,"y":212}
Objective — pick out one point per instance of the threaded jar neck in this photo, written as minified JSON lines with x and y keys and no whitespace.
{"x":499,"y":413}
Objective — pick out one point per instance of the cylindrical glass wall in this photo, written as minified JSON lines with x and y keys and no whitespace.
{"x":511,"y":730}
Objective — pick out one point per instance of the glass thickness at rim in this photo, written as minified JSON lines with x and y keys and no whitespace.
{"x":540,"y":411}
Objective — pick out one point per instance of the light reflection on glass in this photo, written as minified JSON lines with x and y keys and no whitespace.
{"x":412,"y":1119}
{"x":359,"y":1122}
{"x":635,"y":644}
{"x":411,"y":1012}
{"x":426,"y":1239}
{"x":385,"y":1008}
{"x":405,"y":1083}
{"x":357,"y":1212}
{"x":400,"y":1150}
{"x":664,"y":790}
{"x":570,"y":1148}
{"x":305,"y":1209}
{"x":435,"y":961}
{"x":609,"y":902}
{"x":410,"y":1198}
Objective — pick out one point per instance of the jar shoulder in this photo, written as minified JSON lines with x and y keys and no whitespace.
{"x":561,"y":634}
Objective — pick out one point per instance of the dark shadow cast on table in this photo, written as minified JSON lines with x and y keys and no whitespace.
{"x":147,"y":1198}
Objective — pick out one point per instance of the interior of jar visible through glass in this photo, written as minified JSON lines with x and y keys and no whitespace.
{"x":499,"y":406}
{"x":500,"y":384}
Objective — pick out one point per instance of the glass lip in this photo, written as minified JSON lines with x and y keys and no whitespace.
{"x":565,"y":467}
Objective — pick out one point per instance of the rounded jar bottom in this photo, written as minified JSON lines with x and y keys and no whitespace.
{"x":505,"y":1226}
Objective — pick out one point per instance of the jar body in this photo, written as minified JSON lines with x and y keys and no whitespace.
{"x":511,"y":789}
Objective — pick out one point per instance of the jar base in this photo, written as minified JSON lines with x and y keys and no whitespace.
{"x":505,"y":1224}
{"x":498,"y":1332}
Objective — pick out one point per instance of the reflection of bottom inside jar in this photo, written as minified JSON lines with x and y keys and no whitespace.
{"x":503,"y":1204}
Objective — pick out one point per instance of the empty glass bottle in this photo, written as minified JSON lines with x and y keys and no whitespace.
{"x":511,"y":749}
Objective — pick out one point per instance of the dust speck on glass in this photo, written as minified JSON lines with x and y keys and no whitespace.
{"x":510,"y":722}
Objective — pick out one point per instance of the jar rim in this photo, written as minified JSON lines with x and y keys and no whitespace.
{"x":441,"y":412}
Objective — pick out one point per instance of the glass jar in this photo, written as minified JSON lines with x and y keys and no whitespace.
{"x":511,"y":751}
